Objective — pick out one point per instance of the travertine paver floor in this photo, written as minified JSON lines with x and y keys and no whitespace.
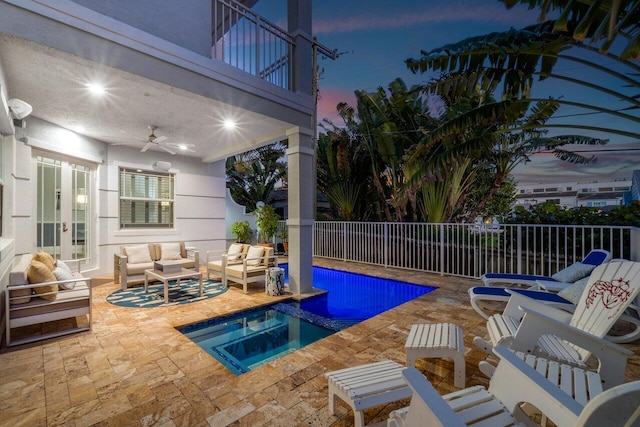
{"x":135,"y":369}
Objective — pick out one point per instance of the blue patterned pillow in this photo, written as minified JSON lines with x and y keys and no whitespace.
{"x":575,"y":271}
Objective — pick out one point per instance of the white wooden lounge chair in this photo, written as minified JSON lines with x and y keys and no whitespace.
{"x":570,"y":274}
{"x":486,"y":300}
{"x":514,"y":383}
{"x":535,"y":328}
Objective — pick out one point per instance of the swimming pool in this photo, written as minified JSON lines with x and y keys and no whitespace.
{"x":246,"y":340}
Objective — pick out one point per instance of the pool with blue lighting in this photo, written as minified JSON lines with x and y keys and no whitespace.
{"x":246,"y":340}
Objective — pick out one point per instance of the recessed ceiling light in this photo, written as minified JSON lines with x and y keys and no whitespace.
{"x":229,"y":124}
{"x":96,"y":88}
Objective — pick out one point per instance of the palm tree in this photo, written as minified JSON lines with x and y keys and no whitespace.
{"x":599,"y":21}
{"x":513,"y":58}
{"x":252,"y":176}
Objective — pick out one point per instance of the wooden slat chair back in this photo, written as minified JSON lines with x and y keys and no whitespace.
{"x":612,"y":287}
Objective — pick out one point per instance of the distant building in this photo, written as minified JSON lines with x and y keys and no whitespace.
{"x":634,"y":192}
{"x":571,"y":195}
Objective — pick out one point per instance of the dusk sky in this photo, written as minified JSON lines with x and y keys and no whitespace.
{"x":375,"y":37}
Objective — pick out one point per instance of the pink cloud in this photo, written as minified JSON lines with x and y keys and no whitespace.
{"x":450,"y":13}
{"x":328,"y":100}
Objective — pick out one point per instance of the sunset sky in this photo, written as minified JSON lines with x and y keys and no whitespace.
{"x":375,"y":37}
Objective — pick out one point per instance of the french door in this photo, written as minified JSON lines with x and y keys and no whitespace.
{"x":64,"y":207}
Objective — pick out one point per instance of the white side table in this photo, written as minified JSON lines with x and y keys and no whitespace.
{"x":437,"y":340}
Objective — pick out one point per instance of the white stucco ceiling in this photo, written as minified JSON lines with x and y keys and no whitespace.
{"x":55,"y":84}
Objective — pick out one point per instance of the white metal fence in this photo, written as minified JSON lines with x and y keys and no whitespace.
{"x":468,"y":250}
{"x":247,"y":41}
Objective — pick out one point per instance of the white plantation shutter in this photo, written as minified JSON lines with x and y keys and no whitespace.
{"x":146,"y":199}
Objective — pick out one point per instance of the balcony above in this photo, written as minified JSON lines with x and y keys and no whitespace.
{"x":183,"y":67}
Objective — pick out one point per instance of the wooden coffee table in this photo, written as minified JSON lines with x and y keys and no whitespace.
{"x":166,"y":277}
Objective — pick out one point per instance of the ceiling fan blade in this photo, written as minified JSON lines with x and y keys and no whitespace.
{"x":146,"y":147}
{"x":127,"y":143}
{"x":159,"y":139}
{"x":166,"y":149}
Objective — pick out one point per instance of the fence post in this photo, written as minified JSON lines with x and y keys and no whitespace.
{"x":344,"y":241}
{"x":386,"y":244}
{"x":441,"y":249}
{"x":634,"y":250}
{"x":519,"y":249}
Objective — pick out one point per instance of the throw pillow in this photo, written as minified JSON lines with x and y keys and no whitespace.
{"x":170,"y":251}
{"x":138,"y":254}
{"x":38,"y":272}
{"x":62,"y":274}
{"x":63,"y":265}
{"x":255,"y":252}
{"x":574,"y":292}
{"x":45,"y":258}
{"x":575,"y":271}
{"x":233,"y":254}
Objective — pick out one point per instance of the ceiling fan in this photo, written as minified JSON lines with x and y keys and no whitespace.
{"x":159,"y":141}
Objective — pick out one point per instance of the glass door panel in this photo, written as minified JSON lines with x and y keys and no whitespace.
{"x":64,"y":208}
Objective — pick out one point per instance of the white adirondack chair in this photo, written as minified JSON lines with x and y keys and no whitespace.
{"x":514,"y":383}
{"x":535,"y":328}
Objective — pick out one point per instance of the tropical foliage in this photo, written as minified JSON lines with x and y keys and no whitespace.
{"x":596,"y":21}
{"x":550,"y":213}
{"x":267,"y":222}
{"x":406,"y":155}
{"x":252,"y":176}
{"x":242,"y":230}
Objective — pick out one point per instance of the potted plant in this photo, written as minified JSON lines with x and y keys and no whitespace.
{"x":267,"y":222}
{"x":242,"y":230}
{"x":282,"y":235}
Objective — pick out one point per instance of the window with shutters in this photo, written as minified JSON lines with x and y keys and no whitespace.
{"x":146,"y":199}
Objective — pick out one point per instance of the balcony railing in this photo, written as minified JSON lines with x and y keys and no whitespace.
{"x":468,"y":250}
{"x":247,"y":41}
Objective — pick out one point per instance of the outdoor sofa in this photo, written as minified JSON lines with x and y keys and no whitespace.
{"x":129,"y":265}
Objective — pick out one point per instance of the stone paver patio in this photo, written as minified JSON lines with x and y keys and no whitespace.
{"x":135,"y":369}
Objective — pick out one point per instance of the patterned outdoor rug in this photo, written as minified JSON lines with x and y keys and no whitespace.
{"x":188,"y":291}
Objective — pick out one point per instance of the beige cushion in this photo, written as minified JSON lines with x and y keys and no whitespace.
{"x":267,"y":253}
{"x":20,"y":296}
{"x":253,"y":271}
{"x":138,"y":254}
{"x":62,"y":274}
{"x":18,"y":275}
{"x":170,"y":251}
{"x":255,"y":252}
{"x":46,"y":259}
{"x":233,"y":254}
{"x":39,"y":273}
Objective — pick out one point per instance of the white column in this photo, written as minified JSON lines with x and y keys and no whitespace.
{"x":301,"y":216}
{"x":299,"y":26}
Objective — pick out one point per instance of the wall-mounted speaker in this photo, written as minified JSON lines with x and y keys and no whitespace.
{"x":162,"y":166}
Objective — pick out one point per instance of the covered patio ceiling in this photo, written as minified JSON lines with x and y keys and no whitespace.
{"x":55,"y":83}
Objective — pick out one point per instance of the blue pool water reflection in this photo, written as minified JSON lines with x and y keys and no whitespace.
{"x":249,"y":339}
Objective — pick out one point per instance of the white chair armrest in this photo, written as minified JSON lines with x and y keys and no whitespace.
{"x":517,"y":300}
{"x":427,"y":407}
{"x":533,"y":388}
{"x":612,"y":358}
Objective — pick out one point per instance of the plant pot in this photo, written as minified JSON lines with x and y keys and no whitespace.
{"x":286,"y":247}
{"x":265,"y":245}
